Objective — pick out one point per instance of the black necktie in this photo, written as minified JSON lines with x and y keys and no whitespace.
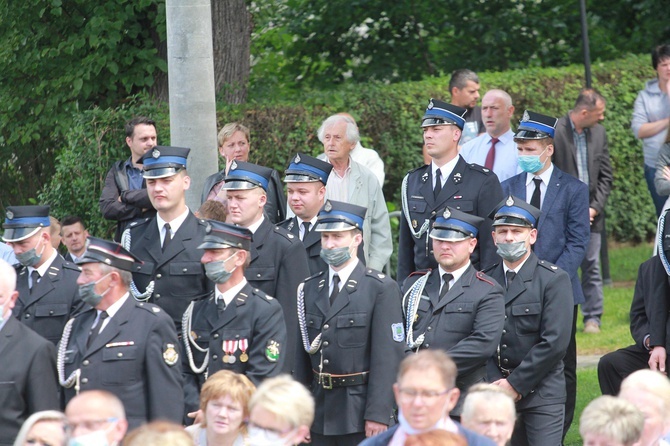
{"x":168,"y":236}
{"x":510,"y":275}
{"x":336,"y":288}
{"x":221,"y":305}
{"x":535,"y":199}
{"x":446,"y":278}
{"x":34,"y":277}
{"x":95,"y":331}
{"x":438,"y":183}
{"x":305,"y":227}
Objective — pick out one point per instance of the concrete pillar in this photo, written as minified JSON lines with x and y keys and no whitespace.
{"x":192,"y":92}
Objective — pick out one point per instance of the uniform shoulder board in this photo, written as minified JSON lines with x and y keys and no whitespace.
{"x":416,"y":169}
{"x":202,"y":222}
{"x":481,"y":169}
{"x":421,"y":272}
{"x":314,"y":276}
{"x":376,"y":274}
{"x":139,"y":222}
{"x":285,"y":223}
{"x":71,"y":266}
{"x":547,"y":265}
{"x":490,"y":268}
{"x":484,"y":278}
{"x":290,"y":237}
{"x":151,"y":308}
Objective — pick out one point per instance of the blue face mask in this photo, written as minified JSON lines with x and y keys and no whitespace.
{"x":531,"y":163}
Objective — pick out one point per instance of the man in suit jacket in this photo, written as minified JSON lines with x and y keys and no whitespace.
{"x":466,"y":187}
{"x":238,"y":327}
{"x":351,"y":182}
{"x":536,"y":333}
{"x":306,"y":179}
{"x":431,"y":375}
{"x":129,"y":348}
{"x":455,"y":308}
{"x":46,"y":283}
{"x":170,"y":274}
{"x":28,"y":381}
{"x":352,"y":335}
{"x":563,"y":230}
{"x":581,"y":151}
{"x":278,"y":260}
{"x":73,"y":233}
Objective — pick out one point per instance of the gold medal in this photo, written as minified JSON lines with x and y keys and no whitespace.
{"x":415,"y":224}
{"x":244,"y":357}
{"x":225,"y":359}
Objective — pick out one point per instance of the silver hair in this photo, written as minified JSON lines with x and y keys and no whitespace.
{"x":352,"y":130}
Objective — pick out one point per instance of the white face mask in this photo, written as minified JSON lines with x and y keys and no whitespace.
{"x":265,"y":437}
{"x":96,"y":438}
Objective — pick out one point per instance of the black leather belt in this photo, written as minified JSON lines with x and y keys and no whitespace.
{"x":329,"y":381}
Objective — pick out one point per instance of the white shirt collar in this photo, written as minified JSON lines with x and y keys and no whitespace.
{"x":517,"y":269}
{"x":174,"y":224}
{"x":545,"y":176}
{"x":230,"y":294}
{"x":446,"y":169}
{"x":457,"y":274}
{"x":42,"y":270}
{"x":257,"y":224}
{"x":344,"y":273}
{"x":111,"y":311}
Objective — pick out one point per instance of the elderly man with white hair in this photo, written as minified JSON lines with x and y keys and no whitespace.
{"x":649,"y":391}
{"x":353,"y":183}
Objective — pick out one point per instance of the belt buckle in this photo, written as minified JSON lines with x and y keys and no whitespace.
{"x":326,"y":384}
{"x":505,"y":372}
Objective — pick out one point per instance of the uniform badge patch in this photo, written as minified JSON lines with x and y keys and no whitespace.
{"x":170,"y":355}
{"x":398,"y":332}
{"x":272,"y":351}
{"x":156,"y":153}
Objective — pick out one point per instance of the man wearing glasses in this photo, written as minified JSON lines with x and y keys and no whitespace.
{"x":425,"y":392}
{"x":96,"y":417}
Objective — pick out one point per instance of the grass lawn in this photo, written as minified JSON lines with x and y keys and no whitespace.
{"x":624,"y":262}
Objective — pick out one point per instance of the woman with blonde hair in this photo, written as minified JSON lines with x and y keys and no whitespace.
{"x":224,"y":403}
{"x":45,"y":428}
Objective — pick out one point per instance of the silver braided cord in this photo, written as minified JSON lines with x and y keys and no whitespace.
{"x":186,"y":334}
{"x":140,"y":297}
{"x":412,"y":298}
{"x":60,"y":359}
{"x":316,"y":344}
{"x":405,"y":210}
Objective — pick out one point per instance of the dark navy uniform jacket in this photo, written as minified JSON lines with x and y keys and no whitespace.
{"x":252,"y":316}
{"x":361,"y":332}
{"x":178,"y":275}
{"x":312,"y":245}
{"x":466,"y":323}
{"x":538,"y":323}
{"x":278,"y":265}
{"x":53,"y":300}
{"x":470,"y":188}
{"x":134,"y":358}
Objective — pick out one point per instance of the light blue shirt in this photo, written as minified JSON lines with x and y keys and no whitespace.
{"x":505,"y":165}
{"x":7,"y":254}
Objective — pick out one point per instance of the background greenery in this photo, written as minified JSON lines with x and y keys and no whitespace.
{"x":388,"y":116}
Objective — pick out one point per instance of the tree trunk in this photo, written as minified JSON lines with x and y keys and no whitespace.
{"x":231,"y":31}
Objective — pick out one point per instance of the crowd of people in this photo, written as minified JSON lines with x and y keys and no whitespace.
{"x":265,"y":319}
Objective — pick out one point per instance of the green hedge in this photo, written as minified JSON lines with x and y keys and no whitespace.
{"x":388,"y":117}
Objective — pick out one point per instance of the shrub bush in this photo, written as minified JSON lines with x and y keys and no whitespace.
{"x":388,"y":117}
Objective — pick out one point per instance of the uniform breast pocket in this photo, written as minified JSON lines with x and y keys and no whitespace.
{"x":314,"y":322}
{"x":120,"y":365}
{"x":145,"y":269}
{"x":423,"y":312}
{"x":187,"y":279}
{"x":51,"y":318}
{"x":527,"y":318}
{"x":459,"y":317}
{"x":418,"y":206}
{"x":462,"y":205}
{"x":352,"y":330}
{"x":261,"y":274}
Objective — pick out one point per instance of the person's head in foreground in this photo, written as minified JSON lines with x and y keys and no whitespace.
{"x":42,"y":428}
{"x":425,"y":390}
{"x":436,"y":437}
{"x":649,"y":391}
{"x":489,"y":410}
{"x":611,"y":421}
{"x":224,"y":402}
{"x":159,"y":433}
{"x":280,"y":413}
{"x":96,"y":417}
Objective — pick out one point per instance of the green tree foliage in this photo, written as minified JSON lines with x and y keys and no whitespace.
{"x":389,"y":117}
{"x":60,"y":56}
{"x":361,"y":40}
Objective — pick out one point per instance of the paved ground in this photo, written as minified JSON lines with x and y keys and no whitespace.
{"x":586,"y":361}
